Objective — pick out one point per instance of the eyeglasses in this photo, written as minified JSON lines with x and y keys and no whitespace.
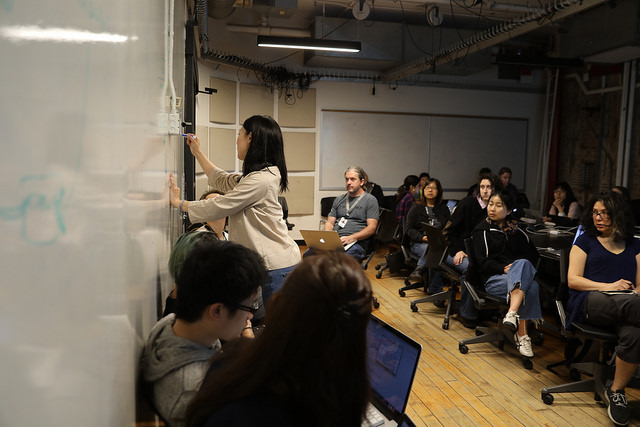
{"x":252,"y":309}
{"x":431,"y":188}
{"x":603,"y":215}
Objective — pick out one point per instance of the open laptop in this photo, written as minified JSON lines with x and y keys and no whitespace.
{"x":321,"y":240}
{"x":392,"y":359}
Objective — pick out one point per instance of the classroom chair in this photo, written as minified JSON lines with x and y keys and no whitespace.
{"x":435,"y":256}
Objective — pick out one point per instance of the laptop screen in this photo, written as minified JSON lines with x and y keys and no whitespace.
{"x":579,"y":231}
{"x":392,"y":359}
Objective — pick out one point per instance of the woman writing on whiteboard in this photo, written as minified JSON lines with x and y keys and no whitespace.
{"x":250,"y":199}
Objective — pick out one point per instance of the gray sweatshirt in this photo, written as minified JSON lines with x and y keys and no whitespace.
{"x":174,"y":367}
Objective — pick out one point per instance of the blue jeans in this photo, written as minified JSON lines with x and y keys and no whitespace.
{"x":274,"y":282}
{"x":521,"y":274}
{"x":467,"y":309}
{"x":419,"y":249}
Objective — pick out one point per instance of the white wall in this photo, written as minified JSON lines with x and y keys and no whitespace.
{"x":84,"y":217}
{"x":357,"y":96}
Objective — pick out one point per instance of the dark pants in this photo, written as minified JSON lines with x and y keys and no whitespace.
{"x":620,"y":313}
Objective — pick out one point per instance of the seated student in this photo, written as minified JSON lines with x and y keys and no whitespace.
{"x":564,"y":205}
{"x":217,"y":290}
{"x":354,"y":215}
{"x":374,"y":189}
{"x":505,"y":255}
{"x":404,"y":196}
{"x":473,"y":190}
{"x":423,"y":177}
{"x":308,"y":367}
{"x":217,"y":226}
{"x":429,"y":209}
{"x":606,"y":257}
{"x":467,"y":214}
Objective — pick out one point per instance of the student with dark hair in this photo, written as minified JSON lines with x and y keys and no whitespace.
{"x":250,"y":200}
{"x":308,"y":367}
{"x":423,"y":177}
{"x":606,"y":257}
{"x":217,"y":288}
{"x":473,"y":190}
{"x":428,"y":209}
{"x":404,"y":196}
{"x":467,"y":214}
{"x":565,"y":203}
{"x":505,"y":258}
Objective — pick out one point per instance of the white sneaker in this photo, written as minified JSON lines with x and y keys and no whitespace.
{"x":523,"y":344}
{"x":511,"y":320}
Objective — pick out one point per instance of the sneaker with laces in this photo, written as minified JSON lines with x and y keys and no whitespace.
{"x":617,"y":410}
{"x":511,"y":320}
{"x":523,"y":344}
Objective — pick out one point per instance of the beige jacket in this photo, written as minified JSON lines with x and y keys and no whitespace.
{"x":255,"y":216}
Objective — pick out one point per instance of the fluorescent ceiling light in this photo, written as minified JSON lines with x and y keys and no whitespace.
{"x":308,"y":43}
{"x":67,"y":35}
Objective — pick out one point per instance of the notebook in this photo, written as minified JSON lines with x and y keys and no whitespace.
{"x":392,"y":359}
{"x":321,"y":240}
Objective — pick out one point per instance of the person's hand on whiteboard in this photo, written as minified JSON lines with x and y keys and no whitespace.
{"x":174,"y":192}
{"x":194,"y":143}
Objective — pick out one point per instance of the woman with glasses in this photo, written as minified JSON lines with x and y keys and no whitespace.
{"x":217,"y":289}
{"x":604,"y":270}
{"x":428,"y":209}
{"x":250,"y":200}
{"x":308,"y":367}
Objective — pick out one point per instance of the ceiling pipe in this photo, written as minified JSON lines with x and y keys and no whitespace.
{"x":495,"y":35}
{"x":269,"y":31}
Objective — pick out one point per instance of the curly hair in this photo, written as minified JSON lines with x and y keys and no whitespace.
{"x":619,"y":212}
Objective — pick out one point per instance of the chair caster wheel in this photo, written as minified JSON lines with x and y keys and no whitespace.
{"x":463,"y":348}
{"x":377,"y":267}
{"x":378,"y":274}
{"x":547,"y":398}
{"x":376,"y":304}
{"x":414,"y":308}
{"x":527,"y":363}
{"x":445,"y":325}
{"x":401,"y":292}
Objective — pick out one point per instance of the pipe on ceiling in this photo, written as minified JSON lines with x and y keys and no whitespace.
{"x":263,"y":30}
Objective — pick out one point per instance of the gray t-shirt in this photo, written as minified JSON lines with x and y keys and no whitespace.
{"x":365,"y":208}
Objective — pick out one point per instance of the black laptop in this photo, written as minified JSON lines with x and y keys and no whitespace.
{"x":392,"y":359}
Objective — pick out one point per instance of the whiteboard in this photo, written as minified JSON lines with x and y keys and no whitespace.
{"x":390,"y":146}
{"x":84,"y":219}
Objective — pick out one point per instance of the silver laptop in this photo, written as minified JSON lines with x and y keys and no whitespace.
{"x":392,"y":360}
{"x":321,"y":240}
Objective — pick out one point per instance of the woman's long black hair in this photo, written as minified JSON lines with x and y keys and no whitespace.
{"x":266,"y":148}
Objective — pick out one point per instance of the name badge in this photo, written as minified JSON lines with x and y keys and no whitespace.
{"x":342,"y":222}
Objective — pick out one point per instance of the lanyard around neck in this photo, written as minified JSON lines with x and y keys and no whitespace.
{"x":354,"y":204}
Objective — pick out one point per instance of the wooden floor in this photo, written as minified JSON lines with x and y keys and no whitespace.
{"x":486,"y":386}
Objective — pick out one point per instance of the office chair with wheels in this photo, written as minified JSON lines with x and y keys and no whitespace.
{"x":410,"y":259}
{"x":325,"y":207}
{"x":435,"y":257}
{"x":484,"y":301}
{"x":600,"y":370}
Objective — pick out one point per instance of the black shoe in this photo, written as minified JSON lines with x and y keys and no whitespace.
{"x":416,"y":275}
{"x":439,"y":304}
{"x":469,"y":323}
{"x":617,"y":410}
